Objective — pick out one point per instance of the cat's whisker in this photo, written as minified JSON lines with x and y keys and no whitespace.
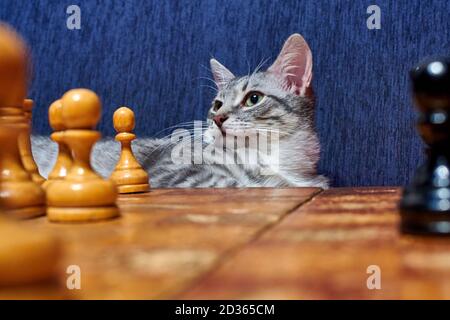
{"x":167,"y":144}
{"x":258,"y":67}
{"x":205,"y":67}
{"x":248,"y":68}
{"x":209,"y":87}
{"x":271,"y":130}
{"x":183,"y":125}
{"x":206,"y":78}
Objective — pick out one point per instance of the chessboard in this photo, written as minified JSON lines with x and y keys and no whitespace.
{"x":295,"y":243}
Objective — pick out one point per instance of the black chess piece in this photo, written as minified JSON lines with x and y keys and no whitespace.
{"x":425,"y":205}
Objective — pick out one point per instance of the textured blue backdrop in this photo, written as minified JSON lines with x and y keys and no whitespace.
{"x":153,"y":55}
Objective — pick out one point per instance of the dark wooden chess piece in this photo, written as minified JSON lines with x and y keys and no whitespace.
{"x":425,"y":205}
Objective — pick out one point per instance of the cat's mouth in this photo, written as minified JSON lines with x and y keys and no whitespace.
{"x":215,"y":132}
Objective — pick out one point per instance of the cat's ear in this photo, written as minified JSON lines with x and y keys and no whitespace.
{"x":220,"y":73}
{"x":294,"y":64}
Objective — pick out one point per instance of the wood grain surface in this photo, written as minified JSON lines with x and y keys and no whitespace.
{"x":249,"y":244}
{"x":323,"y":250}
{"x":164,"y":241}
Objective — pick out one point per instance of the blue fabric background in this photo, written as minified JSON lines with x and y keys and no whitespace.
{"x":153,"y":55}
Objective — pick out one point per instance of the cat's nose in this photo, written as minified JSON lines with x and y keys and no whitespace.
{"x":219,"y":120}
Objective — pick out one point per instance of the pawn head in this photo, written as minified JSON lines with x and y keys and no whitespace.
{"x":123,"y":120}
{"x":13,"y":68}
{"x":55,"y":117}
{"x":81,"y":109}
{"x":431,"y":83}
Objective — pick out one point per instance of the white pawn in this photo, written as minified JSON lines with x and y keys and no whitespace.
{"x":83,"y":195}
{"x":128,"y":174}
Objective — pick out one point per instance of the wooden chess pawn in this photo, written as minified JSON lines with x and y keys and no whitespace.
{"x":128,"y":174}
{"x":25,"y":145}
{"x":26,"y":256}
{"x":20,"y":196}
{"x":425,"y":205}
{"x":64,"y":158}
{"x":83,"y":195}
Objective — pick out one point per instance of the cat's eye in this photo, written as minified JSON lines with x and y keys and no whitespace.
{"x":252,"y":98}
{"x":217,"y":105}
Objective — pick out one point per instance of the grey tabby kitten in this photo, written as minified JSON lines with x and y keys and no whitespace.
{"x":275,"y":103}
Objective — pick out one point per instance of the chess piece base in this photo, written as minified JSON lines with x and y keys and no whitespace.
{"x":26,"y":256}
{"x":92,"y":193}
{"x":19,"y":195}
{"x":83,"y":196}
{"x":26,"y":213}
{"x":22,"y":199}
{"x":62,"y":214}
{"x":425,"y":209}
{"x":425,"y":223}
{"x":137,"y":188}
